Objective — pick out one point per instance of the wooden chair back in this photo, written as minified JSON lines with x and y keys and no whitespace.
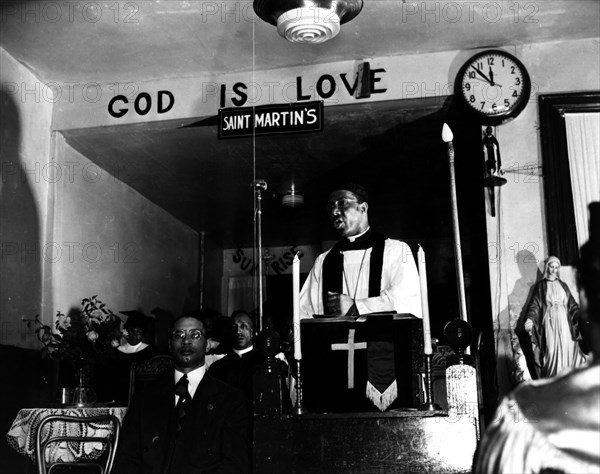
{"x":103,"y":464}
{"x":148,"y":371}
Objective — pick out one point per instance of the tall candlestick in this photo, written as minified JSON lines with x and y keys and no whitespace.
{"x":447,"y":137}
{"x":424,"y":302}
{"x":296,"y":306}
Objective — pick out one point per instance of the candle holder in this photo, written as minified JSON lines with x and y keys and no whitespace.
{"x":429,"y":405}
{"x":299,"y":408}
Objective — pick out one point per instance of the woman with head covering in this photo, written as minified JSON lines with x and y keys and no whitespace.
{"x":136,"y":348}
{"x":551,"y":322}
{"x":137,"y":330}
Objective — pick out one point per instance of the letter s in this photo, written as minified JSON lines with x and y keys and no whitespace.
{"x":238,"y":255}
{"x":238,"y":89}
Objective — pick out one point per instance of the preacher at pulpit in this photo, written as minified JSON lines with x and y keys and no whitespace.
{"x":364,"y":272}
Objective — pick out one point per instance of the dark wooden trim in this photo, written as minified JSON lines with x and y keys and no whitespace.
{"x":560,"y":216}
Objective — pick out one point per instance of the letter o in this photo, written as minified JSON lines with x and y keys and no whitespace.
{"x":457,"y":15}
{"x":498,"y":12}
{"x":52,"y":178}
{"x":86,"y":96}
{"x":56,"y":17}
{"x":95,"y":176}
{"x":85,"y":249}
{"x":85,"y":12}
{"x":51,"y":92}
{"x":257,"y":94}
{"x":136,"y":104}
{"x":332,"y":86}
{"x":52,"y":258}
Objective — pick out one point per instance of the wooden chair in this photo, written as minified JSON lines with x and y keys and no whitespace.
{"x":102,"y":465}
{"x":148,"y":371}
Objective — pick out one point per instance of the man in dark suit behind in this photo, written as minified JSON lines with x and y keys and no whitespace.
{"x":238,"y":366}
{"x":211,"y":436}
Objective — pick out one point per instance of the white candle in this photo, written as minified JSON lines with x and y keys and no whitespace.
{"x":447,"y":135}
{"x":296,"y":306}
{"x":424,"y":302}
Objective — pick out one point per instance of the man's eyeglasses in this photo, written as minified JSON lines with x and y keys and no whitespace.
{"x":341,"y":204}
{"x":192,"y":333}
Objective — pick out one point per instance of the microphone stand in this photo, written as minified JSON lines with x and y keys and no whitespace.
{"x":259,"y":186}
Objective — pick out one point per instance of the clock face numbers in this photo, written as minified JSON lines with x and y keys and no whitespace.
{"x":494,"y":85}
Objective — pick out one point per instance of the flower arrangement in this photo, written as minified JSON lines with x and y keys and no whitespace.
{"x":92,"y":334}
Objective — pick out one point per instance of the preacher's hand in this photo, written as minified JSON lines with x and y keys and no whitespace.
{"x":338,"y":304}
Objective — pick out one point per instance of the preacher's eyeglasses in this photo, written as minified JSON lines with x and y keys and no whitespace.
{"x":192,"y":333}
{"x":341,"y":204}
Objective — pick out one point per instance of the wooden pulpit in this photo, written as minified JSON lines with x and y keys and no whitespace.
{"x":340,"y":430}
{"x":334,"y":362}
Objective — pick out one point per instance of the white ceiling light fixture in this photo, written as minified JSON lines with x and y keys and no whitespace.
{"x":307,"y":21}
{"x":291,"y":198}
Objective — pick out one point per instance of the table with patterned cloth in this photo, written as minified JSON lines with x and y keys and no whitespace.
{"x":21,"y":435}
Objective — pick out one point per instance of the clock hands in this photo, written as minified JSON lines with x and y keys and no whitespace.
{"x":489,"y":80}
{"x":499,"y":102}
{"x":492,"y":78}
{"x":478,"y":71}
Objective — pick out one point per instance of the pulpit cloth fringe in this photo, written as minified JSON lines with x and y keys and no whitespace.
{"x":385,"y":399}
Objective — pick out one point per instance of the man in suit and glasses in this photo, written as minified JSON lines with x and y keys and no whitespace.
{"x":187,"y":421}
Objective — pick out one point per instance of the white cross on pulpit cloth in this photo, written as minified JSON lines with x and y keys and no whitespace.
{"x":350,"y":347}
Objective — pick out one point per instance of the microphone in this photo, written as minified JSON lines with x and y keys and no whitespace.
{"x":259,"y":185}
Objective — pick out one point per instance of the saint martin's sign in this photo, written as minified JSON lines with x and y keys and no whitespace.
{"x":299,"y":117}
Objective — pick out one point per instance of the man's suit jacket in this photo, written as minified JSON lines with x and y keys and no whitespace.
{"x":238,"y":372}
{"x":213,"y":439}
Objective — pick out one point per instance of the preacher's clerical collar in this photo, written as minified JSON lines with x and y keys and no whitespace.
{"x":354,"y":237}
{"x":241,"y":352}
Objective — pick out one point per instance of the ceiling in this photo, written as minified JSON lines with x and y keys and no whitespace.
{"x":121,"y":41}
{"x":205,"y":182}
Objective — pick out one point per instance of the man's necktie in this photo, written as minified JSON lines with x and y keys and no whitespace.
{"x":181,"y":389}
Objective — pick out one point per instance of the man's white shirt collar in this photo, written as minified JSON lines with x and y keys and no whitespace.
{"x":241,"y":352}
{"x":354,"y":237}
{"x":194,"y":378}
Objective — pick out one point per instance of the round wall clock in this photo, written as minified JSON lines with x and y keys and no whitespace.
{"x":494,"y":86}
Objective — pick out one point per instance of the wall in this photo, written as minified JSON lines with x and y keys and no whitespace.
{"x":68,"y":230}
{"x":517,"y":236}
{"x":112,"y":242}
{"x":25,"y":143}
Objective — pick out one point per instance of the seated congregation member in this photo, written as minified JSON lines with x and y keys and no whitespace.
{"x":137,"y":346}
{"x":238,"y":366}
{"x":187,"y":422}
{"x":364,"y":272}
{"x":553,"y":425}
{"x":210,"y":317}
